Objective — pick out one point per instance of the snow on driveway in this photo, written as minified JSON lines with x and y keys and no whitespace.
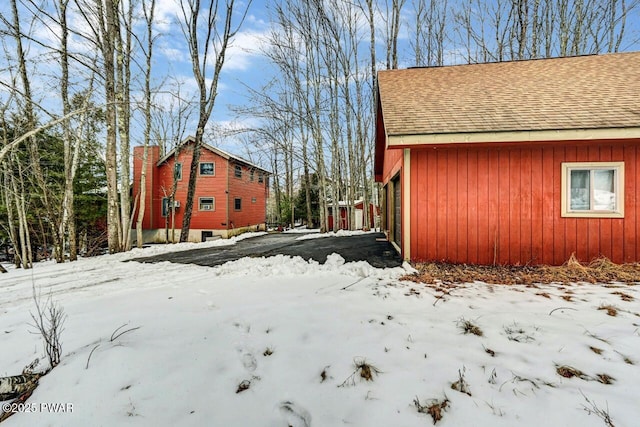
{"x":273,"y":342}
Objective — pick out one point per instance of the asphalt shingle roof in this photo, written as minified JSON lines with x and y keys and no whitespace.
{"x":584,"y":92}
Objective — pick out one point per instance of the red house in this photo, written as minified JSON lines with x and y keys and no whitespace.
{"x":522,"y":162}
{"x":231,"y":193}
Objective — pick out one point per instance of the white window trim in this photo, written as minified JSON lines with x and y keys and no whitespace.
{"x":213,"y":205}
{"x":619,"y":190}
{"x":214,"y":169}
{"x":174,"y":170}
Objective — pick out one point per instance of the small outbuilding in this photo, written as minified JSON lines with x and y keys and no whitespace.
{"x":522,"y":162}
{"x":358,"y":215}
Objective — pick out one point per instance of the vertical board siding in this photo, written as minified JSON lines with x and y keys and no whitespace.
{"x":431,"y":211}
{"x":559,"y":254}
{"x":536,"y":206}
{"x":617,"y":225}
{"x":482,"y":218}
{"x":525,"y":205}
{"x":630,"y":249}
{"x":501,"y":205}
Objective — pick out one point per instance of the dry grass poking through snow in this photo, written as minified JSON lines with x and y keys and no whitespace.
{"x":434,"y":407}
{"x":468,"y":327}
{"x":570,"y":372}
{"x":600,"y":270}
{"x":611,"y":310}
{"x":363,"y":369}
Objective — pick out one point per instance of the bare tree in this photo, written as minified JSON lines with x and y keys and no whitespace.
{"x":148,"y":11}
{"x":429,"y":24}
{"x":523,"y":29}
{"x":201,"y":39}
{"x":123,"y":51}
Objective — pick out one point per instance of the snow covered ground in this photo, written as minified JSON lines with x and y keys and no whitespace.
{"x":274,"y":342}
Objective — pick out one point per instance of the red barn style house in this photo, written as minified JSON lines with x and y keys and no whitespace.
{"x":231,"y":193}
{"x":522,"y":162}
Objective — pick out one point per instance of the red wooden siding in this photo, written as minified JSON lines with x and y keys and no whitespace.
{"x":207,"y":186}
{"x":153,"y":155}
{"x":222,"y":186}
{"x":392,"y":165}
{"x":252,"y":213}
{"x":344,"y":214}
{"x":486,"y":204}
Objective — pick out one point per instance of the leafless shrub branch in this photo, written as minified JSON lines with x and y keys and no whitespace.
{"x":48,"y":320}
{"x":602,"y":413}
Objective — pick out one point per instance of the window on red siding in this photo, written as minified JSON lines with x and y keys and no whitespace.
{"x":253,"y":200}
{"x":260,"y":177}
{"x":207,"y":168}
{"x":165,"y":206}
{"x":592,"y":189}
{"x":238,"y":171}
{"x":237,"y":204}
{"x":207,"y":204}
{"x":251,"y":175}
{"x":177,"y":171}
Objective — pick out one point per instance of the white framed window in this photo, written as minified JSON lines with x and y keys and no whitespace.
{"x":592,"y":190}
{"x":238,"y":171}
{"x":207,"y":168}
{"x":206,"y":204}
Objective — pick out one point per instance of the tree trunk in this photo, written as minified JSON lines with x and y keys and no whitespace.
{"x":148,"y":14}
{"x":108,"y":10}
{"x":199,"y":53}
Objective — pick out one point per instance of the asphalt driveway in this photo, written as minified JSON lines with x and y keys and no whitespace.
{"x":370,"y":247}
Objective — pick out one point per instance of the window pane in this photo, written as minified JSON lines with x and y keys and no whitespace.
{"x":579,"y":190}
{"x":177,"y":171}
{"x":206,"y":204}
{"x":238,"y":171}
{"x":604,"y":196}
{"x":238,"y":204}
{"x":165,"y":206}
{"x":206,"y":169}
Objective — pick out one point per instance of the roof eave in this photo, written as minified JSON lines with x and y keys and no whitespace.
{"x":409,"y":140}
{"x":213,"y":149}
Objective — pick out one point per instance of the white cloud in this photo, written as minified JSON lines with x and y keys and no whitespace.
{"x":244,"y":47}
{"x":166,"y":15}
